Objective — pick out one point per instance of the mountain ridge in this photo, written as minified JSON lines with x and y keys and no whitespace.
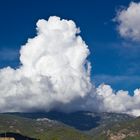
{"x":49,"y":126}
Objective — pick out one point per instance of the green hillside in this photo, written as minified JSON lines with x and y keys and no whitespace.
{"x":41,"y":129}
{"x":112,"y":127}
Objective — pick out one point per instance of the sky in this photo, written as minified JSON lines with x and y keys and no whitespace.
{"x":108,"y":53}
{"x":115,"y":60}
{"x":70,"y":54}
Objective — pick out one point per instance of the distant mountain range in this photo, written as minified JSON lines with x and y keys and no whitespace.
{"x":81,"y":125}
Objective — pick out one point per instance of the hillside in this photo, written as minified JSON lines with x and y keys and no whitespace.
{"x":129,"y":130}
{"x":71,"y":126}
{"x":81,"y":120}
{"x":126,"y":130}
{"x":39,"y":129}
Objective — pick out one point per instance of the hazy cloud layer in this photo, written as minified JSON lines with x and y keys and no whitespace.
{"x":129,"y":21}
{"x":55,"y":74}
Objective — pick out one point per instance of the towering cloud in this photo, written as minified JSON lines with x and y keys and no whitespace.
{"x":55,"y":74}
{"x":53,"y":70}
{"x":129,"y":21}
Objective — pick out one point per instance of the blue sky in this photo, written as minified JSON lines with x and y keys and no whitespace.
{"x":114,"y":60}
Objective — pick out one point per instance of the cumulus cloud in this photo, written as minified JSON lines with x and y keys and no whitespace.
{"x":120,"y":101}
{"x":53,"y":69}
{"x":55,"y":74}
{"x":129,"y":21}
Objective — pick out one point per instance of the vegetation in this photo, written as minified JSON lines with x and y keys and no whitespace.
{"x":111,"y":127}
{"x":43,"y":130}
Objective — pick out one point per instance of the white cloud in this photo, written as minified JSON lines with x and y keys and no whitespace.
{"x":53,"y":69}
{"x":120,"y":101}
{"x":55,"y":74}
{"x":129,"y":21}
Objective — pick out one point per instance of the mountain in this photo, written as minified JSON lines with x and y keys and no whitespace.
{"x":43,"y":129}
{"x":81,"y":120}
{"x":128,"y":130}
{"x":81,"y":125}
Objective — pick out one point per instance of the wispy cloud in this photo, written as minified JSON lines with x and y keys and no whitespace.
{"x":7,"y":54}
